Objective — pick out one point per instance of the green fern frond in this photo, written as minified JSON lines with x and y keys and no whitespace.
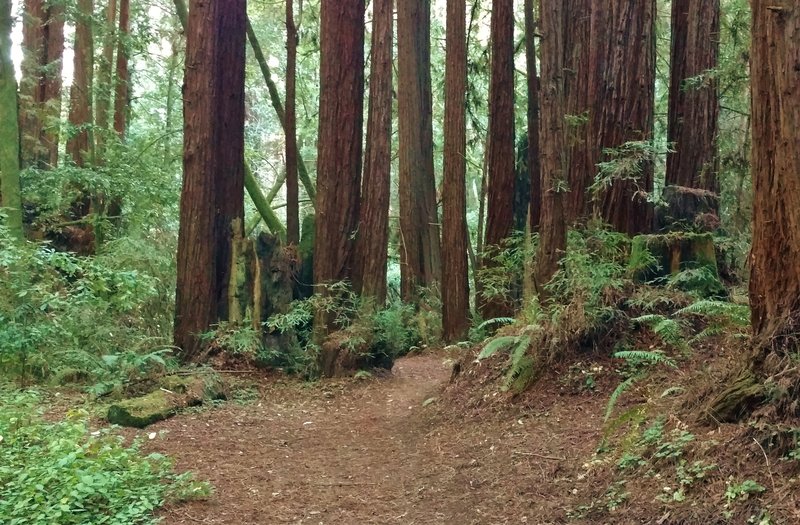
{"x":656,"y":358}
{"x":496,"y":345}
{"x":497,"y":321}
{"x":735,"y":314}
{"x":615,"y":395}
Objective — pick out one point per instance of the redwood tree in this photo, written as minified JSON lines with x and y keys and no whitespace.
{"x":420,"y":251}
{"x":553,"y":234}
{"x":622,"y":98}
{"x":40,"y":86}
{"x":80,"y":143}
{"x":341,"y":107}
{"x":292,"y":187}
{"x":455,"y":274}
{"x":533,"y":161}
{"x":104,"y":85}
{"x":369,"y":272}
{"x":693,"y":123}
{"x":500,"y":155}
{"x":212,"y":198}
{"x":771,"y":373}
{"x":581,"y":170}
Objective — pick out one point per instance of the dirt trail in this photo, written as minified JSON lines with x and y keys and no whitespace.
{"x":341,"y":453}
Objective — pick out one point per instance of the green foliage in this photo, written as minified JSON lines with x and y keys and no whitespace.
{"x":637,"y":361}
{"x":743,"y":490}
{"x":61,"y":312}
{"x":520,"y":368}
{"x":722,"y":317}
{"x":625,"y":164}
{"x":63,"y":473}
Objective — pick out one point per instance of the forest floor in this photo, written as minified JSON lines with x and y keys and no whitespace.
{"x":381,"y":450}
{"x":415,"y":447}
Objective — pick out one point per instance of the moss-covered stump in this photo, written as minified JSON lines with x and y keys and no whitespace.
{"x":174,"y":393}
{"x":687,"y":260}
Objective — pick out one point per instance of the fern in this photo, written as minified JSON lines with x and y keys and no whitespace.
{"x":655,"y":358}
{"x":617,"y":393}
{"x":734,"y":314}
{"x":496,"y":345}
{"x":497,"y":321}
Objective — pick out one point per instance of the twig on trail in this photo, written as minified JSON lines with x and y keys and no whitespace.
{"x":189,"y":516}
{"x":769,"y":467}
{"x":540,"y":456}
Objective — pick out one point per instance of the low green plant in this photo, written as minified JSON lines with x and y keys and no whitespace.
{"x":520,"y":368}
{"x":743,"y":490}
{"x":64,"y":473}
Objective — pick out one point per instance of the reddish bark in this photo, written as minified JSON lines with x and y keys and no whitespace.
{"x":104,"y":85}
{"x":420,"y":251}
{"x":694,"y":110}
{"x":455,"y":274}
{"x":533,"y":161}
{"x":40,"y":87}
{"x":500,"y":155}
{"x":553,"y":234}
{"x":369,"y":277}
{"x":80,"y":143}
{"x":339,"y":146}
{"x":622,"y":91}
{"x":581,"y":170}
{"x":212,"y":199}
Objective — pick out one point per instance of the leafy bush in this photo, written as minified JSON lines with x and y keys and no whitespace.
{"x":63,"y":473}
{"x":61,"y":312}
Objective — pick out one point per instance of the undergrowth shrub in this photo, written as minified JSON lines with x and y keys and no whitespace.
{"x":63,"y":473}
{"x":83,"y":317}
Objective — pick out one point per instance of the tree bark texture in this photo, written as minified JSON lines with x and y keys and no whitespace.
{"x":212,"y":198}
{"x":455,"y":272}
{"x":533,"y":161}
{"x":775,"y":273}
{"x":500,"y":155}
{"x":80,"y":144}
{"x":369,"y":278}
{"x":341,"y":108}
{"x":122,"y":96}
{"x":693,"y":122}
{"x":770,"y":375}
{"x":420,"y":250}
{"x":104,"y":86}
{"x":40,"y":86}
{"x":292,"y":187}
{"x":10,"y":198}
{"x":553,"y":234}
{"x":581,"y":170}
{"x":622,"y":91}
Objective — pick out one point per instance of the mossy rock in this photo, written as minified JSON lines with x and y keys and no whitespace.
{"x":175,"y":393}
{"x":687,"y":260}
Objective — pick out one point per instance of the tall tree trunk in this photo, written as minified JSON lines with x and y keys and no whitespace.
{"x":622,"y":92}
{"x":455,"y":274}
{"x":104,"y":86}
{"x":500,"y":205}
{"x":292,"y":187}
{"x":420,"y":250}
{"x":212,"y":199}
{"x":80,"y":143}
{"x":122,"y":94}
{"x":771,"y":374}
{"x":369,"y":277}
{"x":693,"y":123}
{"x":341,"y":109}
{"x":553,"y":234}
{"x":581,"y":170}
{"x":533,"y":161}
{"x":10,"y":198}
{"x":40,"y":87}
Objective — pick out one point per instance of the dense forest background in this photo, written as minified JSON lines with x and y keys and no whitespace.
{"x":316,"y":188}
